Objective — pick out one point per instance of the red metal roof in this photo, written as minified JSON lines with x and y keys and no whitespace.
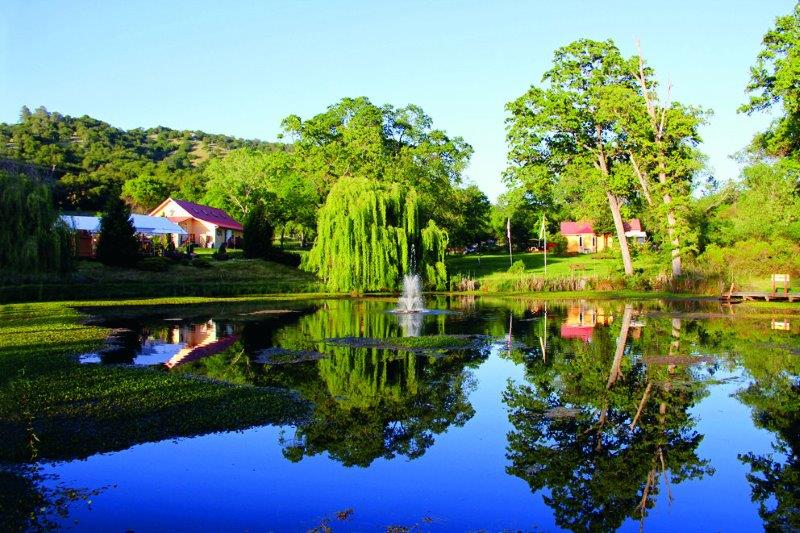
{"x":633,"y":225}
{"x":213,"y":215}
{"x":576,"y":228}
{"x":585,"y":226}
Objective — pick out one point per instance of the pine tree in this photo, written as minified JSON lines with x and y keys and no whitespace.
{"x":117,"y":245}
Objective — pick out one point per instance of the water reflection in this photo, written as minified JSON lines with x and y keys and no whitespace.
{"x":601,"y":430}
{"x":600,"y":415}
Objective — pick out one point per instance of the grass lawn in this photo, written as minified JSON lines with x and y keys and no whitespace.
{"x":218,"y":278}
{"x":52,"y":407}
{"x":478,"y":266}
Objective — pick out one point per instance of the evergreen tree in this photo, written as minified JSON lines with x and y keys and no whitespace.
{"x":117,"y":245}
{"x":258,"y":233}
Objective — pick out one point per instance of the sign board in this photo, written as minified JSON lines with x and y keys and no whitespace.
{"x":780,"y":278}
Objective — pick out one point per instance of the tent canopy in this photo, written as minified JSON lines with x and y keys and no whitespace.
{"x":142,"y":224}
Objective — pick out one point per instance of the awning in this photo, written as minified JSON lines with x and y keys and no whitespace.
{"x":81,"y":223}
{"x":142,"y":224}
{"x":155,"y":225}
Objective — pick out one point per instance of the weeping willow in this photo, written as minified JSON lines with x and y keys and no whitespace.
{"x":368,"y":238}
{"x":32,"y":238}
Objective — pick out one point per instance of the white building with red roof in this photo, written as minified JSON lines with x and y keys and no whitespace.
{"x":582,"y":238}
{"x":205,"y":226}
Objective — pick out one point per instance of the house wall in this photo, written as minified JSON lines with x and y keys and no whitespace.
{"x":588,"y":243}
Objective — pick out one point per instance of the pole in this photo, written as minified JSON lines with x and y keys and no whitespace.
{"x":508,"y":234}
{"x":545,"y":246}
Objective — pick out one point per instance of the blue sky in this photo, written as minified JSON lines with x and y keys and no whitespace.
{"x":240,"y":67}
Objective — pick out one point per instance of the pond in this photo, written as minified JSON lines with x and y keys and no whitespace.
{"x":491,"y":414}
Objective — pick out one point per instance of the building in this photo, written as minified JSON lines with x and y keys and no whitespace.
{"x":87,"y":230}
{"x":205,"y":226}
{"x":581,"y":237}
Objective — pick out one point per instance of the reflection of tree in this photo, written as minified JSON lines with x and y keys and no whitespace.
{"x":774,"y":396}
{"x":601,"y":430}
{"x":368,"y":402}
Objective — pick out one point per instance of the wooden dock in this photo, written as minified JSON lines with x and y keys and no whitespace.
{"x":779,"y":293}
{"x":766,"y":296}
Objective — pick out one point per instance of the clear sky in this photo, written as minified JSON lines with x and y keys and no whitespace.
{"x":239,"y":67}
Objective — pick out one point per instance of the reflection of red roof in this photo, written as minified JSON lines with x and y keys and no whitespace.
{"x":576,"y":228}
{"x":577,"y":332}
{"x":633,"y":225}
{"x":200,"y":351}
{"x":213,"y":215}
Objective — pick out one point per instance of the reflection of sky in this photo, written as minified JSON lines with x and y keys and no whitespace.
{"x":240,"y":480}
{"x":237,"y":481}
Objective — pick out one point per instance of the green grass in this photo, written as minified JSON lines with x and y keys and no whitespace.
{"x":478,"y":266}
{"x":220,"y":278}
{"x":52,"y":407}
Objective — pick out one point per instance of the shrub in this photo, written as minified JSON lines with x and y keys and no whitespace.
{"x":221,"y":254}
{"x":200,"y":263}
{"x":517,"y":268}
{"x":155,"y":264}
{"x":284,"y":258}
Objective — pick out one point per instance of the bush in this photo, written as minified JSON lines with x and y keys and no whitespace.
{"x":155,"y":264}
{"x":117,"y":245}
{"x":221,"y":254}
{"x":560,"y":242}
{"x":517,"y":268}
{"x":200,"y":263}
{"x":284,"y":258}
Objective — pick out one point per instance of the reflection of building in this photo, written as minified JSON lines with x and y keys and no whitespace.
{"x":581,"y":321}
{"x":200,"y":340}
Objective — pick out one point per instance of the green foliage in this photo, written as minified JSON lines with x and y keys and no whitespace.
{"x":517,"y":268}
{"x":92,"y":160}
{"x":155,"y":264}
{"x":32,"y":238}
{"x":354,"y":137}
{"x":773,"y":81}
{"x":470,"y":222}
{"x":258,"y":233}
{"x":366,"y":233}
{"x":117,"y":245}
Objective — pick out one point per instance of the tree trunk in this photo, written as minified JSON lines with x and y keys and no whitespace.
{"x":613,"y":204}
{"x":677,"y":266}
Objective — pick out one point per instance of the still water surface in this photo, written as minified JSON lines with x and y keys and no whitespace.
{"x":563,"y":415}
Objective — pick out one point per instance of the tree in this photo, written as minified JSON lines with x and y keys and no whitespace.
{"x":258,"y":233}
{"x":470,"y":223}
{"x":368,"y":238}
{"x":774,"y":80}
{"x":356,"y":138}
{"x":248,"y":177}
{"x":32,"y":239}
{"x":661,"y":141}
{"x":117,"y":245}
{"x":566,"y":131}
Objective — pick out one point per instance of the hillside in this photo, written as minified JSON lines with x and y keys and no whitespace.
{"x":90,"y":158}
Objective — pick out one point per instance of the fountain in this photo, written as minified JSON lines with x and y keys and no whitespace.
{"x":411,"y":300}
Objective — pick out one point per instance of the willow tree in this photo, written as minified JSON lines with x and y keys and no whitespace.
{"x":32,"y":238}
{"x":368,"y":238}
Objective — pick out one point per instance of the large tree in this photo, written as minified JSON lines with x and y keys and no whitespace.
{"x":660,"y":141}
{"x":369,"y":237}
{"x":356,"y":138}
{"x":565,"y":132}
{"x":775,"y":80}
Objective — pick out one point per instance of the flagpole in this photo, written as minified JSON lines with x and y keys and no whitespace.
{"x":544,"y":227}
